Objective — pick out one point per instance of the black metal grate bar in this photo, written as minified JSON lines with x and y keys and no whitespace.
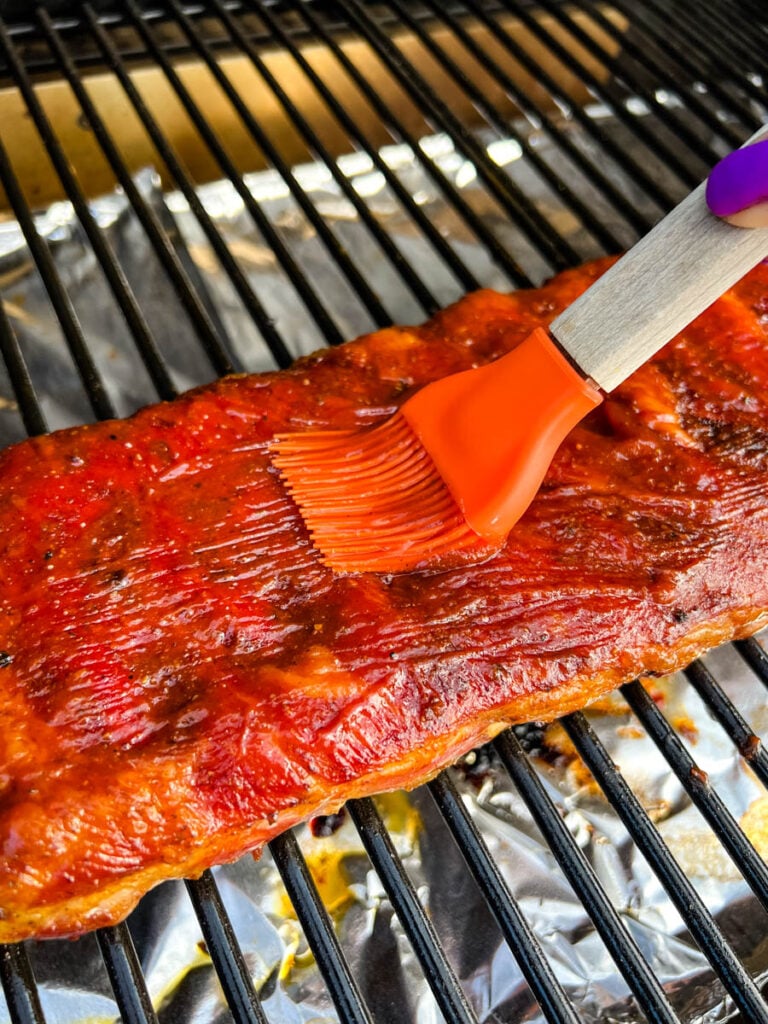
{"x":744,"y":46}
{"x":538,"y":115}
{"x":332,"y":244}
{"x":747,"y":743}
{"x":603,"y":139}
{"x":19,"y":986}
{"x":38,"y":59}
{"x":622,"y":71}
{"x":198,"y":282}
{"x":199,"y":317}
{"x":57,"y":293}
{"x":679,"y":71}
{"x":103,"y":251}
{"x":318,"y":929}
{"x":594,"y":223}
{"x":441,"y":246}
{"x":755,"y":11}
{"x":700,"y":923}
{"x":423,"y":938}
{"x":21,"y":382}
{"x":564,"y":250}
{"x":235,"y":273}
{"x":383,"y":239}
{"x":125,"y":975}
{"x":755,"y":657}
{"x":398,"y":129}
{"x":636,"y":126}
{"x":511,"y":199}
{"x":670,"y":59}
{"x":554,"y":1003}
{"x":435,"y":111}
{"x":614,"y":933}
{"x":696,"y":784}
{"x":408,"y":274}
{"x":225,"y":952}
{"x":298,"y":279}
{"x":692,"y":34}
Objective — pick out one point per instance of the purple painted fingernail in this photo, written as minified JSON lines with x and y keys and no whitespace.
{"x":739,"y":181}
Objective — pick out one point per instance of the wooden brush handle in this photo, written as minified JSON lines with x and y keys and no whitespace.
{"x":663,"y":283}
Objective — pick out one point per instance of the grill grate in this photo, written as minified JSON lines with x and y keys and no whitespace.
{"x":665,"y":74}
{"x":692,"y":909}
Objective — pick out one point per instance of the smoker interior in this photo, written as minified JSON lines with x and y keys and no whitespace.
{"x":92,"y":93}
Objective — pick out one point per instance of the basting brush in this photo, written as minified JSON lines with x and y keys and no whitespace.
{"x":457,"y":465}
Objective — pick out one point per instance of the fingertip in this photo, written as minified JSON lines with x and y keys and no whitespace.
{"x":753,"y":217}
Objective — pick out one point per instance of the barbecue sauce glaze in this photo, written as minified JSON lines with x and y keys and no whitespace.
{"x":181,"y":678}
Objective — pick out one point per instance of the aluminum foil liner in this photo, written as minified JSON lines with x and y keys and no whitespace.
{"x":73,"y":983}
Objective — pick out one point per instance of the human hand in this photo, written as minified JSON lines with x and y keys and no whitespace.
{"x":737,"y":188}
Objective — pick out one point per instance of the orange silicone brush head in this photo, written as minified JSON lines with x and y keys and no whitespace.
{"x":449,"y":475}
{"x":373,"y":500}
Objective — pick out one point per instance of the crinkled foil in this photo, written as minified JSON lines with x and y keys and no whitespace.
{"x":183,"y":985}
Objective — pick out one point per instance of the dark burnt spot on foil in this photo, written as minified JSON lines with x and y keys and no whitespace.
{"x":325,"y":825}
{"x":531,"y":737}
{"x":478,"y":765}
{"x":5,"y":659}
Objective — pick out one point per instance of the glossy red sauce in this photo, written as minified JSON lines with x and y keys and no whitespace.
{"x":181,"y":677}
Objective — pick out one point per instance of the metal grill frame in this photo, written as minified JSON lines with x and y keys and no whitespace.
{"x":668,"y":48}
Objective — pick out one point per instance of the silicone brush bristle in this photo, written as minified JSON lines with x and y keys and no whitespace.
{"x":372,"y":500}
{"x":448,"y":476}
